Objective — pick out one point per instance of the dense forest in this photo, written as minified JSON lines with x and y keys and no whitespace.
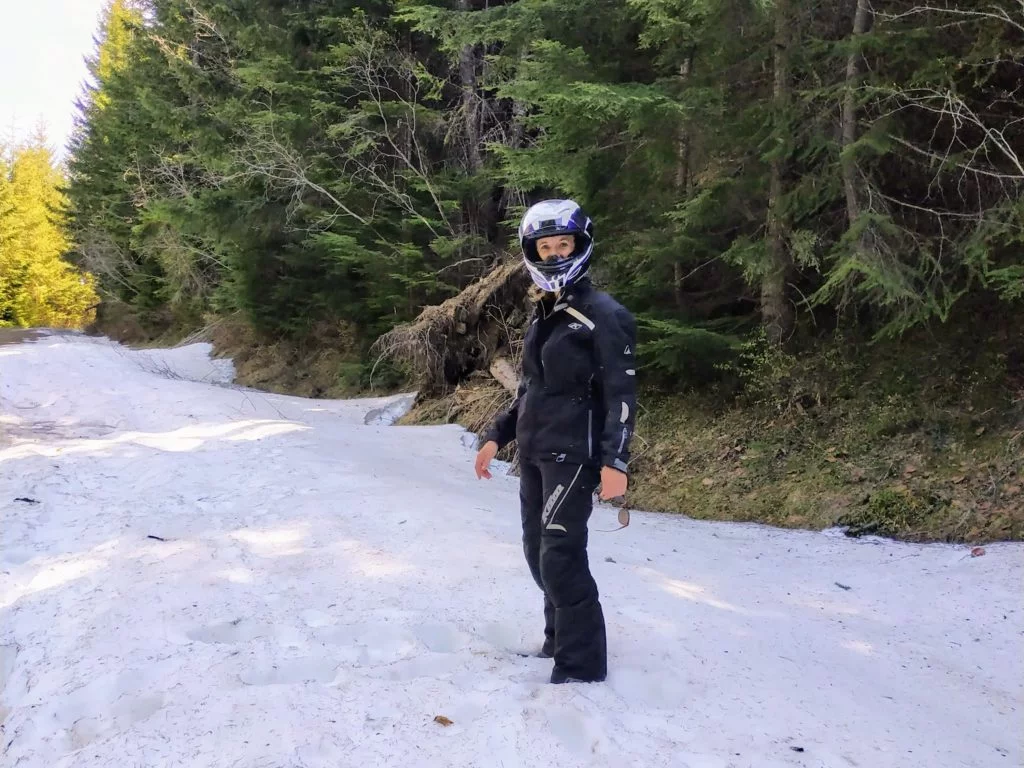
{"x":785,"y":194}
{"x":341,"y":160}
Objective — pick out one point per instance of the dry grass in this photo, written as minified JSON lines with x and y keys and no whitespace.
{"x":324,"y":366}
{"x":473,"y":405}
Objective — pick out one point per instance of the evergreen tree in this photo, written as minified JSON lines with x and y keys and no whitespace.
{"x":37,"y":286}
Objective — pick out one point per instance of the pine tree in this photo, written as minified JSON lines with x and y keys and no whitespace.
{"x":37,"y":286}
{"x":112,"y":122}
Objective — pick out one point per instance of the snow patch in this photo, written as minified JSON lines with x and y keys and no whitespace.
{"x":292,"y":672}
{"x":191,"y":362}
{"x":208,"y":575}
{"x":388,"y":414}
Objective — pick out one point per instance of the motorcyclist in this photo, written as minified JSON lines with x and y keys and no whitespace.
{"x":573,"y":418}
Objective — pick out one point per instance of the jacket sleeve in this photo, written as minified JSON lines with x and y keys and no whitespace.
{"x":615,"y":349}
{"x":503,"y":430}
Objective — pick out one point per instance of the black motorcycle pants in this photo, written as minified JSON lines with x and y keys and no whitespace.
{"x":556,"y":503}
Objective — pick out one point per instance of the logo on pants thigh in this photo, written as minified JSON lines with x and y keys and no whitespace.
{"x":549,"y":506}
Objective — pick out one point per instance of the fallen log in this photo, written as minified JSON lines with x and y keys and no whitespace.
{"x":503,"y":370}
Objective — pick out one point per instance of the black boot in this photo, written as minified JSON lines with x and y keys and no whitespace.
{"x":547,"y":651}
{"x":543,"y":653}
{"x":559,"y":678}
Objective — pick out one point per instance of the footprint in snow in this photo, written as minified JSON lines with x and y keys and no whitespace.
{"x":16,"y":556}
{"x":661,"y":689}
{"x":126,"y":712}
{"x":441,"y":638}
{"x":316,"y":619}
{"x":106,"y":705}
{"x":373,"y":644}
{"x":504,"y":637}
{"x":292,"y":672}
{"x":428,"y":665}
{"x":8,"y":657}
{"x":576,"y":731}
{"x":236,"y":631}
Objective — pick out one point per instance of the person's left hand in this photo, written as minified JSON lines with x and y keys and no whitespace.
{"x":613,"y":483}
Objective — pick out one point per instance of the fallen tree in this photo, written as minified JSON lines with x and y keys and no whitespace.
{"x":477,"y":331}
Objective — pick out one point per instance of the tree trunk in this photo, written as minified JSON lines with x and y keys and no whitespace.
{"x":470,"y":113}
{"x":405,"y":137}
{"x":474,"y":210}
{"x":866,"y":245}
{"x":776,"y":311}
{"x":513,"y":136}
{"x":861,"y":22}
{"x":682,"y":180}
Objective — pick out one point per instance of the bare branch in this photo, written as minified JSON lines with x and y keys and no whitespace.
{"x":264,"y":156}
{"x":371,"y":73}
{"x":996,"y":13}
{"x":948,"y":106}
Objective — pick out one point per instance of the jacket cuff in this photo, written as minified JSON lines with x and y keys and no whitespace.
{"x":492,"y":435}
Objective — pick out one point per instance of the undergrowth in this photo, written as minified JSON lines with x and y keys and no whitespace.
{"x":907,"y":440}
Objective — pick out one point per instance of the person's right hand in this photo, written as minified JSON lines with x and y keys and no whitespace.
{"x":483,"y":459}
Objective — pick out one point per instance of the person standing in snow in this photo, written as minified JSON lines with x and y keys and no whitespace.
{"x":573,"y":418}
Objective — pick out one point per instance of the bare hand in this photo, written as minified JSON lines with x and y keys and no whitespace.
{"x":483,"y":459}
{"x":613,"y":483}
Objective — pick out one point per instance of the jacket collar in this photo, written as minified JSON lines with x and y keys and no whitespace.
{"x":549,"y":305}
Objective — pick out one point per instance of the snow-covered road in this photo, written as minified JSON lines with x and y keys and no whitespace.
{"x":195,"y":575}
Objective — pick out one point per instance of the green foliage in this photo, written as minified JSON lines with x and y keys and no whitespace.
{"x":259,"y":160}
{"x":679,"y":356}
{"x":766,"y":372}
{"x":894,"y":512}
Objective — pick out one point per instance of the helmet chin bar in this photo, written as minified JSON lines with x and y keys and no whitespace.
{"x":554,"y":280}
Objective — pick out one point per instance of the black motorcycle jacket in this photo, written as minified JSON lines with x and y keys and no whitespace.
{"x":576,"y":401}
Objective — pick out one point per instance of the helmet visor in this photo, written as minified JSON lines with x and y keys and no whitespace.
{"x":558,"y":249}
